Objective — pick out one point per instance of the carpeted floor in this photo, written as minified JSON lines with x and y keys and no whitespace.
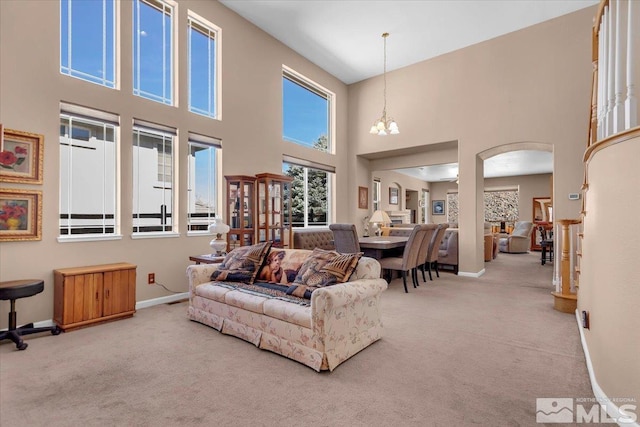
{"x":457,"y":351}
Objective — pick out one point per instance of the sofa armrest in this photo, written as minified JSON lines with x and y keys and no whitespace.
{"x":346,"y":317}
{"x":199,"y":274}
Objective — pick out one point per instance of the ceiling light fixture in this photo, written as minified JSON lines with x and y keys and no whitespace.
{"x":384,"y":126}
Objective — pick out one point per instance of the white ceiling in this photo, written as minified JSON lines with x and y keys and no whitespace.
{"x":343,"y":37}
{"x":522,"y":162}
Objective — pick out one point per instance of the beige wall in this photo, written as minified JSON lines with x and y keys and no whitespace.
{"x":523,"y":88}
{"x":32,"y":88}
{"x":609,"y":269}
{"x":529,"y":186}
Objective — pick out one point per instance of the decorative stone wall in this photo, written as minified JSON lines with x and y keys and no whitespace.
{"x":498,"y":206}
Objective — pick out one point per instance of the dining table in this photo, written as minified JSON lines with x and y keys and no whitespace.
{"x":379,"y":247}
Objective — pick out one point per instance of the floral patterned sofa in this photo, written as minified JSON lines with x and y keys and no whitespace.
{"x":326,"y":329}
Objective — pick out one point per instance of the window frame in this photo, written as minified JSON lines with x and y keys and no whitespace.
{"x":97,"y":118}
{"x":330,"y":188}
{"x":216,"y":86}
{"x":166,"y":99}
{"x":317,"y":89}
{"x":377,"y":188}
{"x":208,"y":142}
{"x":164,"y":132}
{"x":68,"y":69}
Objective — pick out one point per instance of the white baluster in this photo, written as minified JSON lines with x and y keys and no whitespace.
{"x":620,"y":30}
{"x":633,"y":33}
{"x":602,"y":73}
{"x":611,"y":76}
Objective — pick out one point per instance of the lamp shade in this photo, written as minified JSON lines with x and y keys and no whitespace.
{"x":218,"y":226}
{"x":380,"y":217}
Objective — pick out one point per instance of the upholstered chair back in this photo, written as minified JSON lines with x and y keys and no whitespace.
{"x":345,"y":238}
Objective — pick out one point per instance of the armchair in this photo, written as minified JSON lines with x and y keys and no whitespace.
{"x":519,"y":240}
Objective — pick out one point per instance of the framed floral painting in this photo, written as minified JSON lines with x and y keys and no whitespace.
{"x":20,"y":215}
{"x":21,"y":156}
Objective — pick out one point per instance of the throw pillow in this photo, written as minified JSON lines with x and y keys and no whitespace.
{"x":242,"y":264}
{"x":323,"y":268}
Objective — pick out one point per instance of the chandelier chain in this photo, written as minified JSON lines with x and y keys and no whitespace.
{"x":384,"y":74}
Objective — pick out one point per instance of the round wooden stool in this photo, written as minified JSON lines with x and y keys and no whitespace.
{"x":12,"y":291}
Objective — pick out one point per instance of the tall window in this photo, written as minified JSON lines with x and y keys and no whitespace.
{"x":306,"y":112}
{"x":376,"y":194}
{"x":88,"y":40}
{"x":153,"y":50}
{"x":204,"y":181}
{"x":203,"y":65}
{"x":88,"y":171}
{"x":310,"y":193}
{"x":153,"y":175}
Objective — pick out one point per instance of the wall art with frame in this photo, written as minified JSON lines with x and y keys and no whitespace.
{"x":363,"y":197}
{"x":437,"y":207}
{"x":393,"y":195}
{"x":20,"y":215}
{"x":21,"y":156}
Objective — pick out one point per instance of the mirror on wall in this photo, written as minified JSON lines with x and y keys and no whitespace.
{"x":542,"y":216}
{"x":542,"y":209}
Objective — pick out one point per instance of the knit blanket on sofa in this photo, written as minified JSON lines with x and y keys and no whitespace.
{"x":267,"y":290}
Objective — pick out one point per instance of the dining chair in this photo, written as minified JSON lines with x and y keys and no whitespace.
{"x":409,"y":259}
{"x":423,"y":252}
{"x":345,"y":238}
{"x":432,"y":253}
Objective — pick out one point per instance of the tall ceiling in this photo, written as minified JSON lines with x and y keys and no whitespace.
{"x":343,"y":37}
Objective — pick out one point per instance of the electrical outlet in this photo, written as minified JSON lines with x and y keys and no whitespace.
{"x":152,"y":278}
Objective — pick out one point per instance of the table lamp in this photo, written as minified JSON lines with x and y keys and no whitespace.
{"x":379,"y":218}
{"x":218,"y":244}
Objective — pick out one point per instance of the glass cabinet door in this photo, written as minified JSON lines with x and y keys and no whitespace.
{"x":240,"y":211}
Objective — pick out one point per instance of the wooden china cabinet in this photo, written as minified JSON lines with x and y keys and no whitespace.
{"x":240,"y":210}
{"x":274,"y":209}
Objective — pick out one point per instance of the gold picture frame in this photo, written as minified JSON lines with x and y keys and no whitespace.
{"x":20,"y":215}
{"x":21,"y":156}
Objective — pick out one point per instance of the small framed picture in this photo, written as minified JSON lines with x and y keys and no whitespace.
{"x":437,"y":207}
{"x":21,"y":156}
{"x":363,"y":197}
{"x":393,"y":196}
{"x":20,"y":215}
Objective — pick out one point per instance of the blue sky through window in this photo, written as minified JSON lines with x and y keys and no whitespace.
{"x":305,"y":114}
{"x":202,"y":71}
{"x":87,"y":40}
{"x":152,"y":47}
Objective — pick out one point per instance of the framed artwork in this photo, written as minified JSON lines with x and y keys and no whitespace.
{"x":393,"y":196}
{"x":363,"y":197}
{"x":437,"y":207}
{"x":21,"y":156}
{"x":20,"y":215}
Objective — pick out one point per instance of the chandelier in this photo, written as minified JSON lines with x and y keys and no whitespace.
{"x":384,"y":126}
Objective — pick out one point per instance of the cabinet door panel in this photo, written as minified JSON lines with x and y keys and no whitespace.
{"x":118,"y":290}
{"x":78,"y":297}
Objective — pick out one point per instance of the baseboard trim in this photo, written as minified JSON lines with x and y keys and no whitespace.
{"x":142,"y":304}
{"x":612,"y":409}
{"x":161,"y":300}
{"x":468,"y":274}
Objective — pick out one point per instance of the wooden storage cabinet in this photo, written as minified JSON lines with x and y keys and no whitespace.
{"x":87,"y":295}
{"x":274,"y":209}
